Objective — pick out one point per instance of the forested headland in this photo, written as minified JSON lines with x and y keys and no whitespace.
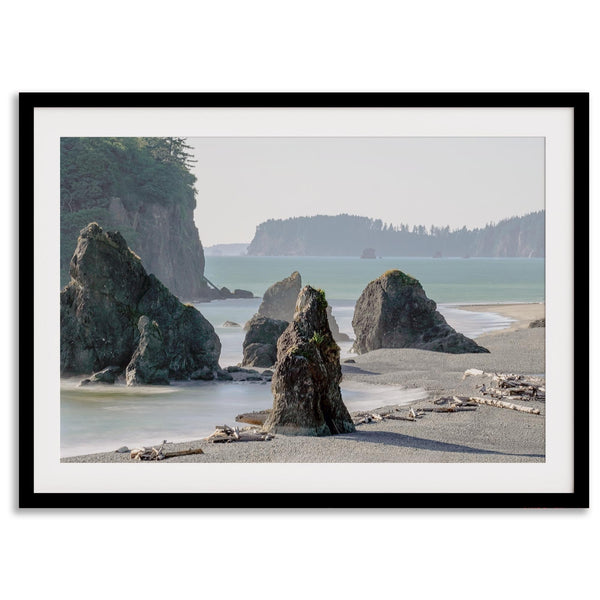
{"x":349,"y":235}
{"x":144,"y":188}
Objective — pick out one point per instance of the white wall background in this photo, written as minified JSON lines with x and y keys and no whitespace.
{"x":275,"y":46}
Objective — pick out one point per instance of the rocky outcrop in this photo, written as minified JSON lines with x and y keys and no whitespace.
{"x":338,"y":336}
{"x":394,"y":312}
{"x":106,"y":376}
{"x":537,"y":323}
{"x":279,"y":302}
{"x":225,"y":293}
{"x":306,"y":381}
{"x":149,"y":363}
{"x":260,"y":343}
{"x":101,"y":308}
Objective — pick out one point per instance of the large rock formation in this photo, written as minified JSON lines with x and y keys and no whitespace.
{"x":306,"y":383}
{"x":394,"y":312}
{"x":279,"y":302}
{"x":260,"y":343}
{"x":101,"y":308}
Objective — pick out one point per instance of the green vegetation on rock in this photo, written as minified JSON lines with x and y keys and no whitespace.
{"x":400,"y":277}
{"x":317,"y":338}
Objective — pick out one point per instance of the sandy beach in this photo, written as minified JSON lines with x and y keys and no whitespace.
{"x":522,"y":314}
{"x":487,"y":434}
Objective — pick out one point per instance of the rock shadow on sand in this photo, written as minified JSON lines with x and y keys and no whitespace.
{"x":357,"y":370}
{"x":389,"y":438}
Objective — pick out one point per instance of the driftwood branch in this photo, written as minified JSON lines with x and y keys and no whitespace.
{"x":188,"y":451}
{"x":502,"y":404}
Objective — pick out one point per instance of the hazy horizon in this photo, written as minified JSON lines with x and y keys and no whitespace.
{"x":453,"y":182}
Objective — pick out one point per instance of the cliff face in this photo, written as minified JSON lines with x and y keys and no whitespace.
{"x":167,"y":241}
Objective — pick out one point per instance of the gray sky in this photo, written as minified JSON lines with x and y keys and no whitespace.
{"x":419,"y":181}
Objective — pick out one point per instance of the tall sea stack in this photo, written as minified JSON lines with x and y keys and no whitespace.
{"x":306,"y":382}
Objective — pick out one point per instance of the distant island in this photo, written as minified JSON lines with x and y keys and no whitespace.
{"x":226,"y":250}
{"x":349,"y":235}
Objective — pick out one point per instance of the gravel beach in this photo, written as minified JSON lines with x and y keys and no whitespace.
{"x":487,"y":434}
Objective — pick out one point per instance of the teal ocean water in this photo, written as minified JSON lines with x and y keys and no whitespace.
{"x":100,"y":419}
{"x":445,"y":280}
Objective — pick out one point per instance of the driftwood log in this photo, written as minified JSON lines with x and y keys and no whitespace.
{"x":160,"y":454}
{"x":502,"y":404}
{"x":254,"y":418}
{"x":224,"y":434}
{"x":360,"y":418}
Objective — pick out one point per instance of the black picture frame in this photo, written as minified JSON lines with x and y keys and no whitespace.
{"x":579,"y":498}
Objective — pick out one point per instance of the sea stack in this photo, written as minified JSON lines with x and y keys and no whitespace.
{"x":279,"y":300}
{"x":306,"y":381}
{"x":100,"y":311}
{"x":394,"y":312}
{"x":279,"y":303}
{"x":260,"y":343}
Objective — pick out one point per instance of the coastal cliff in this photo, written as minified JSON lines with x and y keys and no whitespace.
{"x":143,"y":188}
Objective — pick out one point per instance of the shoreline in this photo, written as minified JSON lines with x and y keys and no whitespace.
{"x":521,"y":313}
{"x":487,"y":434}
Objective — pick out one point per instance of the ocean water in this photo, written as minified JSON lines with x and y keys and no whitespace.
{"x":105,"y":418}
{"x":445,"y":280}
{"x":108,"y":417}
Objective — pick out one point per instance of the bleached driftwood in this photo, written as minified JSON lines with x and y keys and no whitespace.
{"x":502,"y":404}
{"x":152,"y":453}
{"x":360,"y":418}
{"x":511,"y":386}
{"x":475,"y":373}
{"x":148,"y":453}
{"x":224,"y":434}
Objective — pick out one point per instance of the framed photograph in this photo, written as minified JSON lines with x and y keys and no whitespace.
{"x":304,"y":300}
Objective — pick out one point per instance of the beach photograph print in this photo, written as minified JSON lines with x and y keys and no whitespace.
{"x":302,"y":300}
